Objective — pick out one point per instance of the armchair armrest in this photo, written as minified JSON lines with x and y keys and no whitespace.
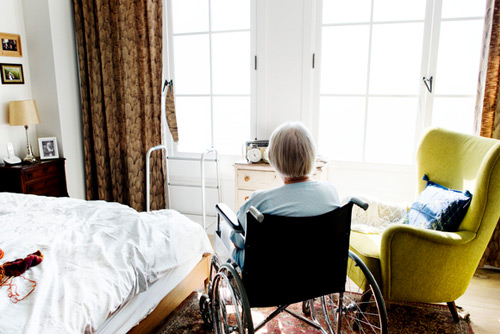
{"x":437,"y":237}
{"x":230,"y":217}
{"x":418,"y":264}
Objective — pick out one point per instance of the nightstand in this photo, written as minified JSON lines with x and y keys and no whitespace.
{"x":250,"y":177}
{"x":47,"y":178}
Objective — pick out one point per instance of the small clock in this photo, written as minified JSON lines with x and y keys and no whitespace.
{"x":254,"y":154}
{"x":260,"y":145}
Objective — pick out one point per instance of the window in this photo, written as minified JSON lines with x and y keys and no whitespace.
{"x":210,"y":63}
{"x":375,"y":55}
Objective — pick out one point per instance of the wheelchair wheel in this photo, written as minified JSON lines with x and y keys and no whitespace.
{"x":230,"y":307}
{"x":361,"y":308}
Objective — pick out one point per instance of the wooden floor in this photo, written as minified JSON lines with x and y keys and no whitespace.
{"x":482,"y":301}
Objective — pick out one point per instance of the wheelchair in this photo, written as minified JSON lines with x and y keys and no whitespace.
{"x":290,"y":260}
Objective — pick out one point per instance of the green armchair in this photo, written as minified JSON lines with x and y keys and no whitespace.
{"x":419,"y":265}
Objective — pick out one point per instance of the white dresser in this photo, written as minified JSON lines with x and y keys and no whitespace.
{"x":256,"y":176}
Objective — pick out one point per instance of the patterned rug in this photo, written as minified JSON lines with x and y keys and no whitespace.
{"x":403,"y":318}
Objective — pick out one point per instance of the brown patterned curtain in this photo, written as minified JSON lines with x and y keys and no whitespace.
{"x":120,"y":57}
{"x":488,"y":113}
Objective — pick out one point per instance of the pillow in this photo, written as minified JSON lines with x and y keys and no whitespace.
{"x":438,"y":208}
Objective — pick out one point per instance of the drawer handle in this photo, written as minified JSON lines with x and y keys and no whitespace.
{"x":247,"y":178}
{"x":246,"y":198}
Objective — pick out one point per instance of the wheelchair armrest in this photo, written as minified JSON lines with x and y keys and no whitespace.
{"x":230,"y":217}
{"x":359,"y":203}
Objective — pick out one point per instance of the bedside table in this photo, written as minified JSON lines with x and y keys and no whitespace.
{"x":250,"y":177}
{"x":47,"y":178}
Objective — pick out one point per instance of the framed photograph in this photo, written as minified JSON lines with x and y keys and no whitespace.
{"x":11,"y":45}
{"x":12,"y":74}
{"x":48,"y":148}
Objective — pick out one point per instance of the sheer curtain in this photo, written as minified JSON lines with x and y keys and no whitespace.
{"x":120,"y":59}
{"x":488,"y":107}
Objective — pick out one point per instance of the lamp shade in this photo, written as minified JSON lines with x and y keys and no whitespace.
{"x":23,"y":113}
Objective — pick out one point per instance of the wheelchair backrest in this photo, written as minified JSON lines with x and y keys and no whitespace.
{"x":291,"y":259}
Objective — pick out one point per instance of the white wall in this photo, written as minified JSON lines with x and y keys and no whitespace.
{"x":13,"y":22}
{"x":66,"y":72}
{"x":47,"y":34}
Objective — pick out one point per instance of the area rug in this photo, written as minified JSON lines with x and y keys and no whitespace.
{"x":403,"y":318}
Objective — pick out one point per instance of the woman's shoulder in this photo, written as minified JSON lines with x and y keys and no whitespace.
{"x":322,"y":184}
{"x":265,"y":193}
{"x":325,"y":187}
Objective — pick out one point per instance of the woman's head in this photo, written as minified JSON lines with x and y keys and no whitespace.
{"x":291,"y":150}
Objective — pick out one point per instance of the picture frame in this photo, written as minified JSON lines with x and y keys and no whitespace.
{"x":10,"y":45}
{"x":48,"y":148}
{"x":12,"y":74}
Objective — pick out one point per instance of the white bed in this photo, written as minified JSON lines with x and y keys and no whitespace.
{"x":106,"y":266}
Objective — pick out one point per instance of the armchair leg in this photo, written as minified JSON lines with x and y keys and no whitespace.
{"x":453,"y":310}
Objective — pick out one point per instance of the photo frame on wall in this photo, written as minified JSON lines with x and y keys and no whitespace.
{"x":12,"y":74}
{"x":10,"y":45}
{"x":48,"y":148}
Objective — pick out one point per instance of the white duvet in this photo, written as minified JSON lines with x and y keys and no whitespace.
{"x":96,"y":256}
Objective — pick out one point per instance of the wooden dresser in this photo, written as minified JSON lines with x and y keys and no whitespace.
{"x":46,"y":178}
{"x":250,"y":177}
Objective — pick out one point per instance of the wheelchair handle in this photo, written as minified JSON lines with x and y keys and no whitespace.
{"x":256,"y":214}
{"x":359,"y":203}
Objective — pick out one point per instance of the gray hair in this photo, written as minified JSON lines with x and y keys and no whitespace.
{"x":291,"y":150}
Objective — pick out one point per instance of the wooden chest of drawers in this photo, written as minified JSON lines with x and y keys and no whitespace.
{"x":250,"y":177}
{"x":46,"y":178}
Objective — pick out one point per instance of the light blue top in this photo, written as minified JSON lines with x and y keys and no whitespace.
{"x":301,"y":199}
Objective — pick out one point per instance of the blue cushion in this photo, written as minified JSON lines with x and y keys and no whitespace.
{"x":438,"y":208}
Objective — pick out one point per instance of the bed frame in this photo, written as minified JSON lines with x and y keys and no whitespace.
{"x":198,"y":276}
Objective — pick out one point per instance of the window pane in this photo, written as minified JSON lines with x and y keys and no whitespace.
{"x":342,"y":11}
{"x":189,"y":16}
{"x":398,"y":10}
{"x":230,"y":14}
{"x":455,"y":114}
{"x":396,"y":57}
{"x":463,"y":8}
{"x":192,"y":64}
{"x":344,"y":59}
{"x":458,"y":57}
{"x":231,"y":123}
{"x":193,"y":122}
{"x":231,"y":63}
{"x":391,"y":130}
{"x":341,"y":128}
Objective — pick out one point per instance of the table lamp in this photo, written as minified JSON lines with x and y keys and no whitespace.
{"x":24,"y":113}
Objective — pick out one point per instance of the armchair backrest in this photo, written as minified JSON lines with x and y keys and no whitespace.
{"x":464,"y":162}
{"x":291,"y":259}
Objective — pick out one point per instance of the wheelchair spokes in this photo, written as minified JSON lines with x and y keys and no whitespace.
{"x":359,"y":309}
{"x":363,"y":307}
{"x":230,"y":309}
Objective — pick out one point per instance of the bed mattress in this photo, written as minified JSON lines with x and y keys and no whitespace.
{"x":97,"y":257}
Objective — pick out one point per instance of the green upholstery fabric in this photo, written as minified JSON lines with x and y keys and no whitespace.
{"x":421,"y":265}
{"x":369,"y":253}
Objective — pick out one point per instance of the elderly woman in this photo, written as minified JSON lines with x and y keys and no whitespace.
{"x":292,"y":154}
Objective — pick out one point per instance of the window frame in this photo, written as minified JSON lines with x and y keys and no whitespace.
{"x":429,"y":59}
{"x":169,"y":74}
